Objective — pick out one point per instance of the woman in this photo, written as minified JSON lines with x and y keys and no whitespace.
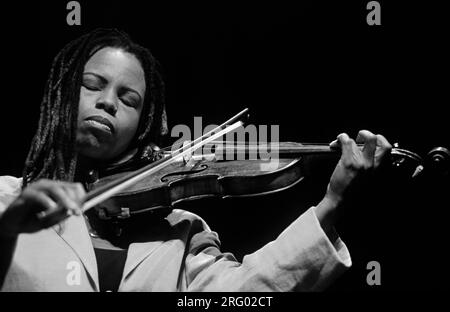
{"x":103,"y":109}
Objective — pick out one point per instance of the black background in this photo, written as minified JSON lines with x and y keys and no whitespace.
{"x":315,"y":68}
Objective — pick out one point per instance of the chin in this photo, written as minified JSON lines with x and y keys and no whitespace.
{"x":95,"y":154}
{"x":89,"y":146}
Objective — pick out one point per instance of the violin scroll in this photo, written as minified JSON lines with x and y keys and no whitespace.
{"x":406,"y":162}
{"x":438,"y":161}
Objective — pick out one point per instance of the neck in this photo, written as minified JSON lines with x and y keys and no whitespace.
{"x":88,"y":168}
{"x":122,"y":158}
{"x":85,"y":167}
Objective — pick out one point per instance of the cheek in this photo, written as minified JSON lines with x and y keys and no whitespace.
{"x":83,"y":105}
{"x":129,"y":124}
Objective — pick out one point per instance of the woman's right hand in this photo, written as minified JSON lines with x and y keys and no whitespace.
{"x":41,"y":205}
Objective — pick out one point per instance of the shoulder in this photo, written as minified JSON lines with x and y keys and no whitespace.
{"x":10,"y":188}
{"x":10,"y":184}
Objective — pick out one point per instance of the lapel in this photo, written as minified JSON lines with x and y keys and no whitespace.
{"x":75,"y":233}
{"x":137,"y":252}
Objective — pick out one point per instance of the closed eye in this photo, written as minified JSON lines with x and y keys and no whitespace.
{"x":93,"y":82}
{"x":129,"y":101}
{"x":91,"y":87}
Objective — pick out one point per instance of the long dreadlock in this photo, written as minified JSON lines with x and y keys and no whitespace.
{"x":52,"y":154}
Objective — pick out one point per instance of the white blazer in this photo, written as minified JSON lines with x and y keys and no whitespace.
{"x":187,"y":258}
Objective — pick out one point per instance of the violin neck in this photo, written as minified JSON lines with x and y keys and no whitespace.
{"x":291,"y":149}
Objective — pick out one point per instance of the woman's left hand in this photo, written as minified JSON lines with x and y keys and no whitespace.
{"x":354,"y":161}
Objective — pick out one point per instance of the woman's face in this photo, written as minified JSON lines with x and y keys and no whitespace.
{"x":111,"y":100}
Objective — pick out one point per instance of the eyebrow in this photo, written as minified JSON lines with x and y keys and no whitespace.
{"x":104,"y":80}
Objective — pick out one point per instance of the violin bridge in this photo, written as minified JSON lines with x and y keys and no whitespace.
{"x":123,"y":214}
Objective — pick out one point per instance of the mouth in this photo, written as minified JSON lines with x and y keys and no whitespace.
{"x":100,"y":122}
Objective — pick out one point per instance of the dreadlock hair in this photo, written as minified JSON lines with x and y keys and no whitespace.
{"x":52,"y":154}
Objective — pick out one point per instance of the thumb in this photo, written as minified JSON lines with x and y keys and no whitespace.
{"x":335,"y":145}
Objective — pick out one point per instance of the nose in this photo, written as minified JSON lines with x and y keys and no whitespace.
{"x":108,"y":102}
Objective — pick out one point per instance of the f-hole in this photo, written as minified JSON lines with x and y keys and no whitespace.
{"x":200,"y":168}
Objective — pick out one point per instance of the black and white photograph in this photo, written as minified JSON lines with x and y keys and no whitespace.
{"x":220,"y":147}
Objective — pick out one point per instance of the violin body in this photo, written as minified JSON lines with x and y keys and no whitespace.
{"x":180,"y":182}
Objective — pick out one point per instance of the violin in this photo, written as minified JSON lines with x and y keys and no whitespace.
{"x":226,"y":171}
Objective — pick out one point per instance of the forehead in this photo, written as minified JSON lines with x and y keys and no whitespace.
{"x":118,"y":65}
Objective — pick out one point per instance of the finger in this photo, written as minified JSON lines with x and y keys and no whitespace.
{"x":70,"y":191}
{"x":81,"y":193}
{"x":43,"y":205}
{"x":370,"y":145}
{"x":52,"y":213}
{"x":80,"y":190}
{"x":57,"y":192}
{"x":76,"y":193}
{"x":335,"y":145}
{"x":382,"y":142}
{"x":53,"y":218}
{"x":351,"y":155}
{"x":345,"y":142}
{"x":384,"y":148}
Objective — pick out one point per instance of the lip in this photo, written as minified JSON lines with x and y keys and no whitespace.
{"x":103,"y":121}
